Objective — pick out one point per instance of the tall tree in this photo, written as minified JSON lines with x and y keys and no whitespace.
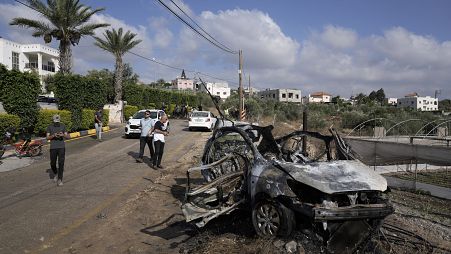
{"x":118,"y":44}
{"x":66,"y":21}
{"x":380,"y":95}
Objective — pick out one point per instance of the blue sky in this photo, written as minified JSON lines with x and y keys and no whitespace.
{"x":343,"y":47}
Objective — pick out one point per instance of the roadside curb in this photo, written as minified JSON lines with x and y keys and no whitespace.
{"x":72,"y":136}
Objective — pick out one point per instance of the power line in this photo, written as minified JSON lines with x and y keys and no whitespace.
{"x":180,"y":68}
{"x":209,"y":35}
{"x":195,"y":30}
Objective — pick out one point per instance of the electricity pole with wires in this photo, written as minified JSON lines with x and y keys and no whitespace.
{"x":240,"y":78}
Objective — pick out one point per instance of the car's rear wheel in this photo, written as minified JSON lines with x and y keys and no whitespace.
{"x":271,"y":218}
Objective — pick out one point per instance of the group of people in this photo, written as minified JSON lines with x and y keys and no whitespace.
{"x":153,"y":133}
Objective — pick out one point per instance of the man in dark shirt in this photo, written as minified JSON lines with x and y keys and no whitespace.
{"x":56,"y":133}
{"x":160,"y":129}
{"x":98,"y":123}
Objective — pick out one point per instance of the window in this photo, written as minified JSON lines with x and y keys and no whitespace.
{"x":274,"y":95}
{"x":284,"y":95}
{"x":290,"y":95}
{"x":218,"y":93}
{"x":297,"y":96}
{"x":224,"y":93}
{"x":15,"y":61}
{"x":435,"y":102}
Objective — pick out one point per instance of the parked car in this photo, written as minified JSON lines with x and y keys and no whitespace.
{"x":201,"y":120}
{"x":133,"y":127}
{"x":246,"y":167}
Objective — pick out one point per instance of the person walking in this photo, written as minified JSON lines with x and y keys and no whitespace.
{"x":160,"y":130}
{"x":98,"y":123}
{"x":56,"y":133}
{"x":146,"y":137}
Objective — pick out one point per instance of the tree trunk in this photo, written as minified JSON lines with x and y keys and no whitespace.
{"x":118,"y":79}
{"x":65,"y":58}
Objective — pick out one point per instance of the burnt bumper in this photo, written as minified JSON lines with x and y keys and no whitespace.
{"x":356,"y":212}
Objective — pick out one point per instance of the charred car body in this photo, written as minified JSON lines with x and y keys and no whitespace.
{"x":245,"y":166}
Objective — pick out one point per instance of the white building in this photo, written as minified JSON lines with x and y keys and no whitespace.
{"x":27,"y":57}
{"x":319,"y":97}
{"x":250,"y":92}
{"x":217,"y":89}
{"x":419,"y":103}
{"x":391,"y":101}
{"x":183,"y":83}
{"x":282,"y":95}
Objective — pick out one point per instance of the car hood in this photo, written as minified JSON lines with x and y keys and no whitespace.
{"x":336,"y":176}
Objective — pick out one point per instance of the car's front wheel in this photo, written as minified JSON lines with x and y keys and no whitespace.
{"x":271,"y":218}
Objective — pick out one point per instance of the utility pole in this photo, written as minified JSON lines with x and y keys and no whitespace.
{"x":240,"y":74}
{"x":249,"y":88}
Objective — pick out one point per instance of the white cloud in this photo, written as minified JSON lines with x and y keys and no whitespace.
{"x":339,"y":37}
{"x":263,"y":43}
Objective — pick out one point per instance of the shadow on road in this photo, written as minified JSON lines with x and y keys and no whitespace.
{"x":146,"y":159}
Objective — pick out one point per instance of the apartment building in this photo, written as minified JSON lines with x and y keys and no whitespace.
{"x":419,"y":103}
{"x":282,"y":95}
{"x":217,"y":89}
{"x":183,"y":83}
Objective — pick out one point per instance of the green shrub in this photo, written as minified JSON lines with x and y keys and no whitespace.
{"x":75,"y":92}
{"x":134,"y":94}
{"x":106,"y":117}
{"x":45,"y":119}
{"x":19,"y":92}
{"x":7,"y":121}
{"x":87,"y":119}
{"x":129,"y":111}
{"x":94,"y":93}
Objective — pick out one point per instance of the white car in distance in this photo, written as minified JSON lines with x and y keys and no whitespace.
{"x":201,"y":120}
{"x":133,"y":126}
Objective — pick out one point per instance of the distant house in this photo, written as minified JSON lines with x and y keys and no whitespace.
{"x":319,"y":97}
{"x":282,"y":95}
{"x":419,"y":103}
{"x":217,"y":89}
{"x":250,"y":92}
{"x":183,"y":83}
{"x":27,"y":57}
{"x":391,"y":101}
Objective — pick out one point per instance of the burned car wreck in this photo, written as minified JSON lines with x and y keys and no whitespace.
{"x":246,"y":167}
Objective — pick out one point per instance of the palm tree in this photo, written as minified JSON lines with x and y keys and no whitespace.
{"x":118,"y":44}
{"x":66,"y":21}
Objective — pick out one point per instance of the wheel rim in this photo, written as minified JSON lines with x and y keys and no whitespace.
{"x":268,"y":219}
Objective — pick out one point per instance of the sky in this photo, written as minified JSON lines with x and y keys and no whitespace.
{"x":343,"y":47}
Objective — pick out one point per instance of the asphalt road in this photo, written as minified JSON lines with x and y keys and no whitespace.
{"x":35,"y":214}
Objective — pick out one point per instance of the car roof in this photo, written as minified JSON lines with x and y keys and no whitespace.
{"x":151,"y":110}
{"x":201,"y":111}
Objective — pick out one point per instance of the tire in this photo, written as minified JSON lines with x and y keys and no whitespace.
{"x":35,"y":151}
{"x":127,"y":136}
{"x":271,"y":218}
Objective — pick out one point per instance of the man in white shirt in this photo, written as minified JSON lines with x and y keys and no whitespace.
{"x":160,"y":130}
